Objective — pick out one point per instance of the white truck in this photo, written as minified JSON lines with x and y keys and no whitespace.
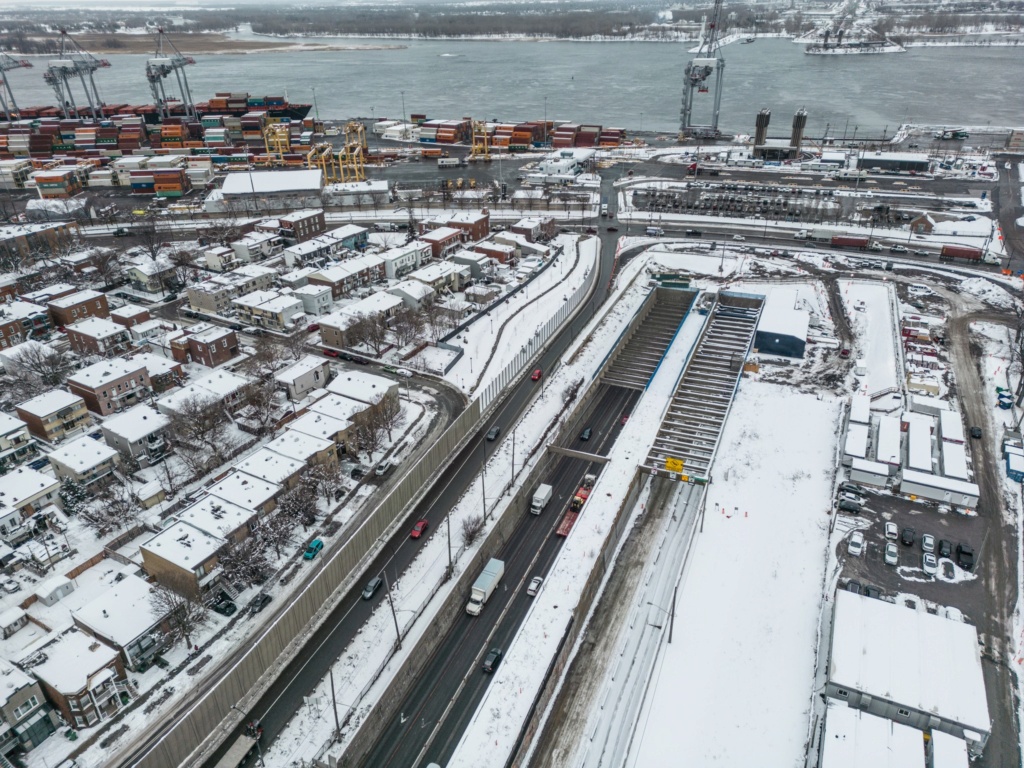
{"x":654,"y":232}
{"x":448,"y":162}
{"x":541,"y":497}
{"x":484,"y":586}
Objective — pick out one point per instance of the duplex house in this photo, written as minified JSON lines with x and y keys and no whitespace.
{"x":78,"y":306}
{"x":183,"y":558}
{"x":303,"y":376}
{"x":84,"y":460}
{"x":140,"y":432}
{"x":99,"y":336}
{"x":20,"y":321}
{"x":54,"y":415}
{"x":16,"y":446}
{"x":28,"y":719}
{"x":110,"y":386}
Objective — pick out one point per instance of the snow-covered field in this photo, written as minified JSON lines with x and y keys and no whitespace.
{"x":764,"y":549}
{"x":869,"y":306}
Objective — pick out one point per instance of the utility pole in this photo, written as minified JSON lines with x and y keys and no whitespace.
{"x":448,"y":521}
{"x":334,"y":701}
{"x":671,"y":616}
{"x":513,"y":478}
{"x":394,"y":615}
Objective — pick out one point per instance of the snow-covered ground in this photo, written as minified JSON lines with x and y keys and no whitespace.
{"x":764,"y":549}
{"x":870,"y":308}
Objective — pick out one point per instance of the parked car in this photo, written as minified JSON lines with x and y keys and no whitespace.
{"x":224,"y":607}
{"x":331,"y":352}
{"x":259,"y":602}
{"x":313,"y":327}
{"x":383,"y":468}
{"x":854,"y":489}
{"x":870,"y":591}
{"x":121,"y":232}
{"x":929,"y":563}
{"x":908,"y":536}
{"x":856,"y":498}
{"x":965,"y":557}
{"x":586,"y":433}
{"x":492,"y":659}
{"x":976,"y":433}
{"x":492,"y":433}
{"x":927,"y":542}
{"x":358,"y":473}
{"x":10,"y":586}
{"x":892,"y":531}
{"x":853,"y":586}
{"x":535,"y":584}
{"x":39,"y":463}
{"x":537,"y":374}
{"x":945,"y":548}
{"x":371,"y":587}
{"x":856,"y":544}
{"x":611,"y":229}
{"x":419,"y":529}
{"x":313,"y":549}
{"x":846,"y":505}
{"x":892,"y":555}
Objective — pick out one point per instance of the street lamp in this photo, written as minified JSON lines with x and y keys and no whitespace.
{"x":671,"y":614}
{"x":404,"y":121}
{"x":316,"y":109}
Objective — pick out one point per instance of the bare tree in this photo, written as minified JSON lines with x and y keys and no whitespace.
{"x":107,"y":262}
{"x":323,"y":480}
{"x":376,"y":331}
{"x":47,"y":366}
{"x":183,"y":262}
{"x":370,"y":434}
{"x":268,"y":357}
{"x":472,"y":529}
{"x":181,"y":605}
{"x":116,"y":508}
{"x":407,"y":325}
{"x":199,"y":434}
{"x":172,"y":476}
{"x":245,"y":562}
{"x":260,"y":404}
{"x":389,"y":414}
{"x":435,"y":318}
{"x":294,"y":345}
{"x":148,"y":235}
{"x":275,"y":531}
{"x":299,"y":504}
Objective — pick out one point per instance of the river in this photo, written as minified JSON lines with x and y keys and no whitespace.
{"x":629,"y":85}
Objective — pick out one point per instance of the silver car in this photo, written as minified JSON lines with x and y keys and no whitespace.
{"x":892,"y":554}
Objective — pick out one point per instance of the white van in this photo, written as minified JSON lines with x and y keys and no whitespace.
{"x":655,"y":231}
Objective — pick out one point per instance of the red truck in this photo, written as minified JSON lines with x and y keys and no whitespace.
{"x":850,"y":241}
{"x":960,"y":252}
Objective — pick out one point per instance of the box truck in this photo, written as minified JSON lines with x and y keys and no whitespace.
{"x":540,"y":498}
{"x":484,"y":586}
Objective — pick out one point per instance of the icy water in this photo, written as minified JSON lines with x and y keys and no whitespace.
{"x":629,"y":85}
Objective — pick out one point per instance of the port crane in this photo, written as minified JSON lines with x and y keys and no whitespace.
{"x":166,"y":61}
{"x":707,"y":66}
{"x":74,"y":62}
{"x":7,"y":103}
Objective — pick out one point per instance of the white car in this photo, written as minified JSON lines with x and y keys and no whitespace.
{"x":10,"y":586}
{"x":892,"y":531}
{"x":929,"y":564}
{"x":856,"y":544}
{"x":738,"y":238}
{"x":928,"y":542}
{"x":535,"y":584}
{"x":892,"y":554}
{"x":404,"y":373}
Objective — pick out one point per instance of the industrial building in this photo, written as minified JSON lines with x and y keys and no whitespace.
{"x":778,"y":149}
{"x":894,"y":161}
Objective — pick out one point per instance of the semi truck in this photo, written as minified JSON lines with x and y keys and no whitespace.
{"x":541,"y":497}
{"x":484,"y":586}
{"x":849,"y":241}
{"x":961,"y":252}
{"x":448,"y":162}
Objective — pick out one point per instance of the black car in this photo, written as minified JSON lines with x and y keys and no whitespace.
{"x":853,"y":586}
{"x":965,"y":557}
{"x":586,"y":433}
{"x":492,"y":433}
{"x":224,"y":605}
{"x":908,"y":536}
{"x":693,"y":233}
{"x":492,"y":659}
{"x":259,"y":602}
{"x":945,"y":548}
{"x":358,"y":473}
{"x":870,"y":591}
{"x":235,"y":327}
{"x":121,"y":232}
{"x":976,"y":433}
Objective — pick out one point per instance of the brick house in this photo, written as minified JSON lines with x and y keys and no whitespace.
{"x":349,"y":274}
{"x":98,"y":336}
{"x":140,"y":432}
{"x":183,"y":558}
{"x":129,"y":315}
{"x":213,"y":347}
{"x":300,"y":226}
{"x":29,"y":718}
{"x":85,"y":461}
{"x":54,"y":415}
{"x":110,"y":386}
{"x":78,"y":306}
{"x":474,"y":225}
{"x":21,"y":320}
{"x":443,"y":240}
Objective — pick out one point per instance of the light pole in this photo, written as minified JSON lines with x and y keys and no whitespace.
{"x":316,"y":109}
{"x":545,"y":121}
{"x":404,"y":121}
{"x":394,"y":615}
{"x":671,"y":614}
{"x":255,"y":734}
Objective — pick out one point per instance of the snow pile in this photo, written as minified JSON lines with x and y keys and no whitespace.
{"x":985,"y":290}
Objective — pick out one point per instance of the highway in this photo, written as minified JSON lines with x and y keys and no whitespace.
{"x":446,"y":694}
{"x":285,"y":696}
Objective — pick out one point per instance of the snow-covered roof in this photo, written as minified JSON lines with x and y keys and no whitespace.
{"x":48,"y":402}
{"x":253,"y":270}
{"x":256,"y":298}
{"x":951,"y":426}
{"x":860,"y":409}
{"x":280,"y":303}
{"x":105,"y":371}
{"x":781,"y":316}
{"x":210,"y":335}
{"x":948,"y":751}
{"x":83,"y":454}
{"x":73,"y":661}
{"x":893,"y":653}
{"x":44,"y":294}
{"x":216,"y":516}
{"x":184,"y":545}
{"x":270,"y":466}
{"x":919,"y":444}
{"x":856,"y":739}
{"x":382,"y":301}
{"x":245,"y":490}
{"x":887,"y":447}
{"x":136,"y":423}
{"x":122,"y":612}
{"x":365,"y":387}
{"x":156,"y":365}
{"x":74,"y":299}
{"x":311,"y":290}
{"x":942,"y":483}
{"x":346,"y":231}
{"x":221,"y":383}
{"x":856,"y":441}
{"x":297,"y":445}
{"x":300,"y":215}
{"x":441,"y":234}
{"x":299,"y":368}
{"x":262,"y":182}
{"x":9,"y":424}
{"x":12,"y":679}
{"x":338,"y":406}
{"x":20,"y":310}
{"x":319,"y":425}
{"x":128,"y":311}
{"x":922,"y":403}
{"x":414,"y":289}
{"x":22,"y":485}
{"x":437,"y":271}
{"x":99,"y":327}
{"x":954,"y":461}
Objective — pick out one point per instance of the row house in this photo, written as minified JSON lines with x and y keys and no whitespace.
{"x":78,"y":306}
{"x":97,"y":336}
{"x":300,"y":226}
{"x":443,"y":276}
{"x":257,"y":246}
{"x":16,"y":446}
{"x":220,"y":258}
{"x":139,"y":432}
{"x":46,"y":294}
{"x":130,"y":315}
{"x":27,"y":717}
{"x":26,"y":492}
{"x":443,"y":240}
{"x":184,"y":558}
{"x":215,"y":295}
{"x":303,"y":376}
{"x":316,"y":251}
{"x":347,"y":275}
{"x":535,"y":228}
{"x":21,"y":242}
{"x":85,"y":461}
{"x":54,"y":415}
{"x":111,"y":386}
{"x":316,"y":299}
{"x":350,"y":236}
{"x":474,"y":225}
{"x":9,"y":285}
{"x":222,"y":387}
{"x":212,"y":347}
{"x":335,"y":326}
{"x":164,"y":373}
{"x":402,"y":260}
{"x":268,"y":309}
{"x":22,"y":320}
{"x":151,"y":275}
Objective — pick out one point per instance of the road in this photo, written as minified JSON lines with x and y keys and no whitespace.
{"x":285,"y":696}
{"x":446,"y":694}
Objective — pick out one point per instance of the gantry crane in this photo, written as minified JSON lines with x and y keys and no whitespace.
{"x":324,"y":157}
{"x":353,"y":154}
{"x":277,"y":138}
{"x":7,"y":63}
{"x":168,"y":59}
{"x":74,"y":62}
{"x":481,"y":149}
{"x":707,"y":63}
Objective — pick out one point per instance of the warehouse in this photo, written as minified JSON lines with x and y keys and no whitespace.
{"x":263,"y":191}
{"x":855,"y":739}
{"x":782,"y":329}
{"x":884,"y":659}
{"x":894,"y":161}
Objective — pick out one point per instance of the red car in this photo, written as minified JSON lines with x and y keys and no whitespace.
{"x":419,"y":529}
{"x":844,"y":354}
{"x":330,"y":353}
{"x":314,"y":327}
{"x":537,"y":374}
{"x":625,"y":418}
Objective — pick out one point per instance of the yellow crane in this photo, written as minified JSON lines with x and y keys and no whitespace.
{"x":353,"y":154}
{"x":481,"y":149}
{"x":322,"y":156}
{"x":278,"y":139}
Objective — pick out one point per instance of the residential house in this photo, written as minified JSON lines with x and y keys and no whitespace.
{"x":304,"y":375}
{"x":350,"y":236}
{"x":21,"y":321}
{"x":163,"y":373}
{"x":443,"y":240}
{"x":110,"y":386}
{"x":268,"y":309}
{"x":54,"y":415}
{"x":412,"y":293}
{"x":339,"y":407}
{"x":213,"y":347}
{"x":257,"y":246}
{"x":140,"y":432}
{"x":25,"y":492}
{"x":46,"y":294}
{"x":304,"y":448}
{"x":535,"y":228}
{"x":82,"y":677}
{"x":345,"y":276}
{"x":98,"y":336}
{"x":215,"y":295}
{"x":183,"y":558}
{"x":365,"y":387}
{"x":222,"y":387}
{"x":300,"y":226}
{"x":151,"y":275}
{"x":474,"y":225}
{"x":28,"y":719}
{"x":85,"y":461}
{"x":504,"y":253}
{"x":316,"y":299}
{"x":311,"y":252}
{"x":221,"y":258}
{"x":297,"y":277}
{"x":78,"y":306}
{"x":272,"y":467}
{"x":130,"y":315}
{"x":248,"y":491}
{"x":16,"y":446}
{"x":480,"y":265}
{"x":340,"y":431}
{"x":8,"y":286}
{"x":334,"y":327}
{"x":220,"y":518}
{"x":403,"y":259}
{"x":20,"y":242}
{"x":443,"y":276}
{"x":125,"y":617}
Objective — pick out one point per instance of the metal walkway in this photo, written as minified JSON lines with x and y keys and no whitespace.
{"x":636,"y":362}
{"x":692,"y":425}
